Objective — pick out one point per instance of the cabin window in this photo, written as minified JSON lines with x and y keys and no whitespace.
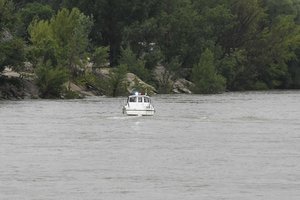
{"x":140,"y":99}
{"x":146,"y":99}
{"x":132,"y":99}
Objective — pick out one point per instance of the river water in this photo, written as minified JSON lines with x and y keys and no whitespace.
{"x":231,"y":146}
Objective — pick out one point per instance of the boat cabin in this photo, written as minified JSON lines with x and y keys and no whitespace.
{"x":138,"y":104}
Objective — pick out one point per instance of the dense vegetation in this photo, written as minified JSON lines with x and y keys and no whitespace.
{"x":217,"y":44}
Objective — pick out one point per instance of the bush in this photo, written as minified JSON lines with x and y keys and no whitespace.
{"x":115,"y":83}
{"x":260,"y":86}
{"x":93,"y":82}
{"x":69,"y":94}
{"x":100,"y":56}
{"x":134,"y":64}
{"x":111,"y":85}
{"x":205,"y":77}
{"x":50,"y":81}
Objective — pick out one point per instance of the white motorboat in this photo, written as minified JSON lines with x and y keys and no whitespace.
{"x":138,"y":105}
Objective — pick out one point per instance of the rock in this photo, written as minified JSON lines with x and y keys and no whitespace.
{"x":8,"y":72}
{"x":14,"y":88}
{"x":182,"y":86}
{"x":133,"y":82}
{"x":30,"y":89}
{"x":6,"y":36}
{"x":166,"y":79}
{"x":81,"y":90}
{"x":102,"y":72}
{"x":28,"y":67}
{"x":162,"y":75}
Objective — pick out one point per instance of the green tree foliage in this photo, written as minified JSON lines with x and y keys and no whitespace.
{"x":167,"y":75}
{"x":11,"y":47}
{"x":44,"y":44}
{"x":254,"y":44}
{"x":180,"y":33}
{"x":205,"y":77}
{"x":12,"y":54}
{"x":100,"y":57}
{"x":115,"y":85}
{"x":111,"y":17}
{"x":134,"y":64}
{"x":7,"y":17}
{"x":284,"y":34}
{"x":276,"y":8}
{"x":142,"y":38}
{"x":62,"y":40}
{"x":259,"y":47}
{"x":233,"y":68}
{"x":238,"y":32}
{"x":112,"y":84}
{"x":279,"y":44}
{"x":71,"y":29}
{"x":55,"y":4}
{"x":245,"y":25}
{"x":30,"y":12}
{"x":294,"y":70}
{"x":59,"y":43}
{"x":50,"y":80}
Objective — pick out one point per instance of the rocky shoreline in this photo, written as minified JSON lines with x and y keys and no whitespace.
{"x":17,"y":86}
{"x":13,"y":88}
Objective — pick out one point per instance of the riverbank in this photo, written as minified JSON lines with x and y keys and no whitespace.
{"x":22,"y":85}
{"x":13,"y":88}
{"x":17,"y":88}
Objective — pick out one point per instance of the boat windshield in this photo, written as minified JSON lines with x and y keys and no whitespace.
{"x":138,"y":99}
{"x":146,"y":100}
{"x":132,"y":99}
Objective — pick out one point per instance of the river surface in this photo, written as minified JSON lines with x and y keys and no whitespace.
{"x":231,"y":146}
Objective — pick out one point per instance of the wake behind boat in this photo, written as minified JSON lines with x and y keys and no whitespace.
{"x":138,"y":105}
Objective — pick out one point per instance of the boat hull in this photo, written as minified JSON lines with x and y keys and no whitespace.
{"x":135,"y":112}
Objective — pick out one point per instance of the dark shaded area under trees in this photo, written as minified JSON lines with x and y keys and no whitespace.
{"x":224,"y":45}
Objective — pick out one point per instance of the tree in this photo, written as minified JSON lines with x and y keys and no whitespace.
{"x":59,"y":43}
{"x":63,"y":39}
{"x":180,"y":33}
{"x":115,"y":84}
{"x":71,"y":30}
{"x":276,"y":8}
{"x":233,"y":68}
{"x":55,"y":4}
{"x":11,"y":53}
{"x":100,"y":56}
{"x":248,"y":16}
{"x":30,"y":12}
{"x":44,"y":44}
{"x":11,"y":47}
{"x":111,"y":17}
{"x":205,"y":77}
{"x":134,"y":64}
{"x":294,"y":71}
{"x":166,"y":74}
{"x":269,"y":55}
{"x":50,"y":80}
{"x":254,"y":44}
